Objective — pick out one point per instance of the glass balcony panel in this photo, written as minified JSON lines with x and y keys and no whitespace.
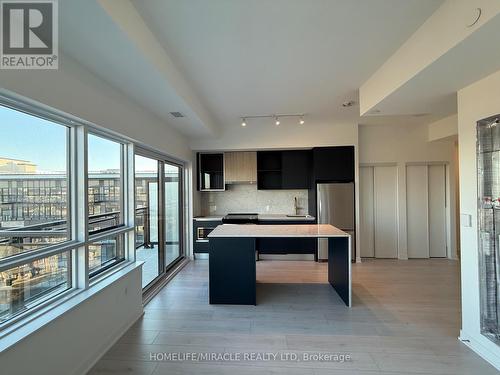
{"x":30,"y":284}
{"x":105,"y":253}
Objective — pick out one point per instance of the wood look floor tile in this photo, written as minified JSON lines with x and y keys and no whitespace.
{"x":405,"y":319}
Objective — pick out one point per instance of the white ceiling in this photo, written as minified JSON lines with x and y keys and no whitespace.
{"x":282,"y":56}
{"x":246,"y":57}
{"x":434,"y":89}
{"x":90,"y":36}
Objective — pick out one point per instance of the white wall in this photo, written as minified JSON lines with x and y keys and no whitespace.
{"x":71,"y":343}
{"x":76,"y":339}
{"x":444,"y":128}
{"x":402,"y":144}
{"x":475,"y":102}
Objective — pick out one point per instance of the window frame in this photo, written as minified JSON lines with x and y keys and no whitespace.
{"x":77,"y":209}
{"x":163,"y":159}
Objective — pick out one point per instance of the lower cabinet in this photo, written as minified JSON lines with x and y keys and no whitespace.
{"x":201,"y":229}
{"x":287,"y":245}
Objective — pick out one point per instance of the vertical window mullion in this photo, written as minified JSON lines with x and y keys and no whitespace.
{"x":129,"y":200}
{"x":80,"y":207}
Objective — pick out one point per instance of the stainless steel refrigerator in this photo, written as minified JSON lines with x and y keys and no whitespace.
{"x":335,"y":206}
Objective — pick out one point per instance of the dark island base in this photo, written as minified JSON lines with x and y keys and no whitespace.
{"x":232,"y":269}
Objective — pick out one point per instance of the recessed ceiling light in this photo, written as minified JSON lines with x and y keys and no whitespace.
{"x":349,"y":103}
{"x":176,"y":114}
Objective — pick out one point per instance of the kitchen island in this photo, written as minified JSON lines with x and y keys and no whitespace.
{"x":232,"y":268}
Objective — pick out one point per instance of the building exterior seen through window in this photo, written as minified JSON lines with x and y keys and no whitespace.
{"x":35,"y":213}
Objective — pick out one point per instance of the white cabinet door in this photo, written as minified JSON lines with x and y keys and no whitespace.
{"x":367,"y":230}
{"x":385,"y":211}
{"x":437,"y":211}
{"x":417,"y":215}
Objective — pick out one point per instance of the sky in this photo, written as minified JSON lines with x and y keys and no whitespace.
{"x":30,"y":138}
{"x":42,"y":142}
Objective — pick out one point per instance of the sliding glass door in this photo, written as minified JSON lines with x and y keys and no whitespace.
{"x":173,"y":216}
{"x":158,"y":205}
{"x":146,"y":217}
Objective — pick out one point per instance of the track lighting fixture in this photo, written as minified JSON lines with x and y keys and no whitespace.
{"x":276,"y":118}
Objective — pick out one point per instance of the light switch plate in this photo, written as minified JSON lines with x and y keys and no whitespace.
{"x":466,"y":220}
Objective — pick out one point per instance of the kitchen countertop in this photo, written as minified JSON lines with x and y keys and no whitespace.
{"x":294,"y":230}
{"x":284,"y":217}
{"x":263,"y":217}
{"x":208,"y":218}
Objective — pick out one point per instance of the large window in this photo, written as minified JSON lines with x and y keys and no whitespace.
{"x":34,"y":211}
{"x":33,"y":183}
{"x":105,"y":202}
{"x":47,"y":241}
{"x":67,"y":212}
{"x":104,"y":184}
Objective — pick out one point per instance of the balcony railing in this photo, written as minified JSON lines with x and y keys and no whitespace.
{"x":21,"y":239}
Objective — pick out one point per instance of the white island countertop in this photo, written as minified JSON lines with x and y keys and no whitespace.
{"x":295,"y":230}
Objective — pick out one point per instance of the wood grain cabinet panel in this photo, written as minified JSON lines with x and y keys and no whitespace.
{"x":240,"y":167}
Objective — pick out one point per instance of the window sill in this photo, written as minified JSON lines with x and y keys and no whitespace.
{"x":21,"y":329}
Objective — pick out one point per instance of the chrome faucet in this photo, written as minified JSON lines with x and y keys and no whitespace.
{"x":296,"y":205}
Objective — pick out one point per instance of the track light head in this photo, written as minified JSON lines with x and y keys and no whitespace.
{"x":301,"y":121}
{"x":243,"y":122}
{"x":277,"y":122}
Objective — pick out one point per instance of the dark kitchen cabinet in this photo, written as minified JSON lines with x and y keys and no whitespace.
{"x":296,"y":166}
{"x":287,"y":245}
{"x":333,"y":164}
{"x":211,"y":171}
{"x":201,"y":228}
{"x":269,"y":170}
{"x":283,"y":169}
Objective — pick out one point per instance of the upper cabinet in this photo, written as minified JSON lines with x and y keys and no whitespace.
{"x":269,"y":170}
{"x":289,"y":169}
{"x":211,"y":171}
{"x":240,"y":167}
{"x":296,"y":169}
{"x":283,"y":169}
{"x":333,"y":164}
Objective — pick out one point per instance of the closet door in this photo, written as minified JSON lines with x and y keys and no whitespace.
{"x":367,"y":230}
{"x":417,"y":203}
{"x":385,"y":211}
{"x":437,"y":211}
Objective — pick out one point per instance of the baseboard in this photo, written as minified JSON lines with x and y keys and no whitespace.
{"x":99,"y":353}
{"x":484,"y":352}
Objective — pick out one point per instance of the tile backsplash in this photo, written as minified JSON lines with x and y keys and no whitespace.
{"x":246,"y":198}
